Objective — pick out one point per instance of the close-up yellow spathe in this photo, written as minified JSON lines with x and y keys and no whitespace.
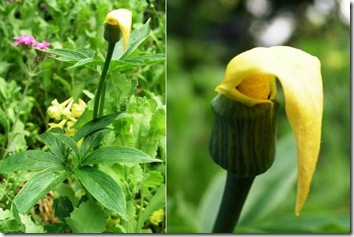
{"x":250,"y":79}
{"x":123,"y":19}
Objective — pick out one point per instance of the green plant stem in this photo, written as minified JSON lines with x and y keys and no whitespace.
{"x":142,"y":198}
{"x":12,"y":133}
{"x":234,"y":197}
{"x":4,"y":189}
{"x":99,"y":97}
{"x":103,"y":94}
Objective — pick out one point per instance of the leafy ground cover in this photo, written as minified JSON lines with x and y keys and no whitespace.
{"x":62,"y":171}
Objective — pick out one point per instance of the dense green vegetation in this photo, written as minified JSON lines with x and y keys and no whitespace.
{"x":61,"y":171}
{"x":199,"y":47}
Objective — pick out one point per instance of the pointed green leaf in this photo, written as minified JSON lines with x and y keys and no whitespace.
{"x":54,"y":144}
{"x":70,"y":55}
{"x":92,"y":140}
{"x":136,"y":38}
{"x":86,"y":62}
{"x":150,"y":59}
{"x":118,"y":154}
{"x":38,"y":186}
{"x":94,"y":125}
{"x":67,"y":141}
{"x":103,"y":188}
{"x":31,"y":160}
{"x":121,"y":65}
{"x":124,"y":65}
{"x":86,"y":116}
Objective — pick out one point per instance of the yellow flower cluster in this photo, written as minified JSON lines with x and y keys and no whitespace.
{"x":67,"y":113}
{"x":157,"y":216}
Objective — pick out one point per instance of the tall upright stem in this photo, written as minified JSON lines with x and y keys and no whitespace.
{"x":12,"y":133}
{"x":103,"y":95}
{"x":100,"y":94}
{"x":235,"y":194}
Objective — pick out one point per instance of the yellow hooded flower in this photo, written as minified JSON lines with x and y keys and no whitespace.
{"x":68,"y":112}
{"x":58,"y":125}
{"x":78,"y":108}
{"x":56,"y":110}
{"x":121,"y":18}
{"x":250,"y":79}
{"x":69,"y":130}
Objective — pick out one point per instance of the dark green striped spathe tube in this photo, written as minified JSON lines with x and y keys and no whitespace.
{"x":111,"y":33}
{"x":243,"y":138}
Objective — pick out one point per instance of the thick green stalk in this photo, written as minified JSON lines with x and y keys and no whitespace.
{"x":103,"y":95}
{"x":235,"y":194}
{"x":100,"y":94}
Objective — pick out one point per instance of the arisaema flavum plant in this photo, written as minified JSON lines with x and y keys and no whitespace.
{"x":243,"y":138}
{"x":117,"y":22}
{"x":82,"y":147}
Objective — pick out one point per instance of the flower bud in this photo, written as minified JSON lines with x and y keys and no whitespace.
{"x":54,"y":112}
{"x":78,"y":108}
{"x":243,"y":137}
{"x":116,"y":22}
{"x":111,"y":33}
{"x":68,"y":130}
{"x":66,"y":112}
{"x":157,"y":216}
{"x":58,"y":125}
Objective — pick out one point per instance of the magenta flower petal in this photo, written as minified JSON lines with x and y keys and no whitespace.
{"x":24,"y":39}
{"x":41,"y":45}
{"x":27,"y":39}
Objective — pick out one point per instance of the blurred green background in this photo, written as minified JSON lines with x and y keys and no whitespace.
{"x":203,"y":36}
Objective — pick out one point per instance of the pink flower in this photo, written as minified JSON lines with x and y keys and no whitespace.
{"x":24,"y":39}
{"x":42,"y":45}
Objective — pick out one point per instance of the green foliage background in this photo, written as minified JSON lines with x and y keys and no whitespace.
{"x":200,"y":44}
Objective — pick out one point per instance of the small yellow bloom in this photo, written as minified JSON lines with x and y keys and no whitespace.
{"x":58,"y":125}
{"x":157,"y":216}
{"x":69,"y":130}
{"x":78,"y":108}
{"x":56,"y":110}
{"x":123,"y":19}
{"x":250,"y":79}
{"x":68,"y":112}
